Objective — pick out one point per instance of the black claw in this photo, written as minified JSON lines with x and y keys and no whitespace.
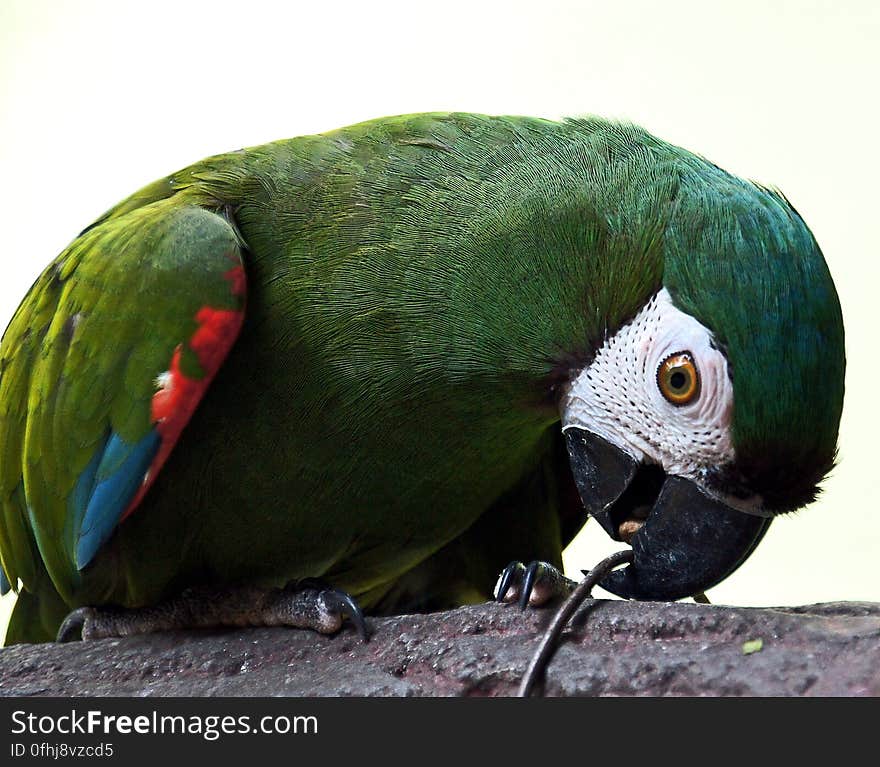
{"x":339,"y":600}
{"x":513,"y":570}
{"x":72,"y":626}
{"x":528,"y":584}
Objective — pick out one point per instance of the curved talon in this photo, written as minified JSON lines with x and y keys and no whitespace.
{"x":513,"y":571}
{"x":528,"y":584}
{"x":72,"y":626}
{"x":533,"y":584}
{"x":336,"y":599}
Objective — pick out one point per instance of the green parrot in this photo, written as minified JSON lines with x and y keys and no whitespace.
{"x":368,"y":369}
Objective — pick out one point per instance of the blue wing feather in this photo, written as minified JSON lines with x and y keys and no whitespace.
{"x":78,"y":501}
{"x":105,"y":489}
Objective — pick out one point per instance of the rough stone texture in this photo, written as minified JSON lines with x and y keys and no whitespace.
{"x":612,"y":648}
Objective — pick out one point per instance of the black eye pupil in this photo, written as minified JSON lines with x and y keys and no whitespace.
{"x":678,"y":380}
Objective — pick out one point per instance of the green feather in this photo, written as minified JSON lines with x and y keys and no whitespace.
{"x":110,"y":312}
{"x":740,"y":259}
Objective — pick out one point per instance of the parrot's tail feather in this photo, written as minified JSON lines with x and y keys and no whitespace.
{"x":35,"y":618}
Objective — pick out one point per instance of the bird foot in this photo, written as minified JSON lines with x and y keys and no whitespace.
{"x":300,"y":604}
{"x":534,"y":584}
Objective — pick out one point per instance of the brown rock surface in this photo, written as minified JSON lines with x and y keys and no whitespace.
{"x":612,"y":648}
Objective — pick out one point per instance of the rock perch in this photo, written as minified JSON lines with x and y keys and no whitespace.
{"x":612,"y":648}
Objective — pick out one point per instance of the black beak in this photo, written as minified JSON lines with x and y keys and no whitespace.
{"x":688,"y":542}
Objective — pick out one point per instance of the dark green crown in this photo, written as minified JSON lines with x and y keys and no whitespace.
{"x":740,"y":259}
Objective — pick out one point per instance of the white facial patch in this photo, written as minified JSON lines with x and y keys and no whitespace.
{"x":618,"y":398}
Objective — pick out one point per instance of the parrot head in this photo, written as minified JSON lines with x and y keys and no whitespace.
{"x":716,"y":406}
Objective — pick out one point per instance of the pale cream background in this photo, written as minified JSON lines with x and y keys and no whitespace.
{"x":100,"y":97}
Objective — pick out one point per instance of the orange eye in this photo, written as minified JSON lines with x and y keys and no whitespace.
{"x":678,"y":378}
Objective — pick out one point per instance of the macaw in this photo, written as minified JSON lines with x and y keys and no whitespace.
{"x":366,"y":369}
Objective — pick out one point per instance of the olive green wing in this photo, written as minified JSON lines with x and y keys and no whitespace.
{"x":101,"y":368}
